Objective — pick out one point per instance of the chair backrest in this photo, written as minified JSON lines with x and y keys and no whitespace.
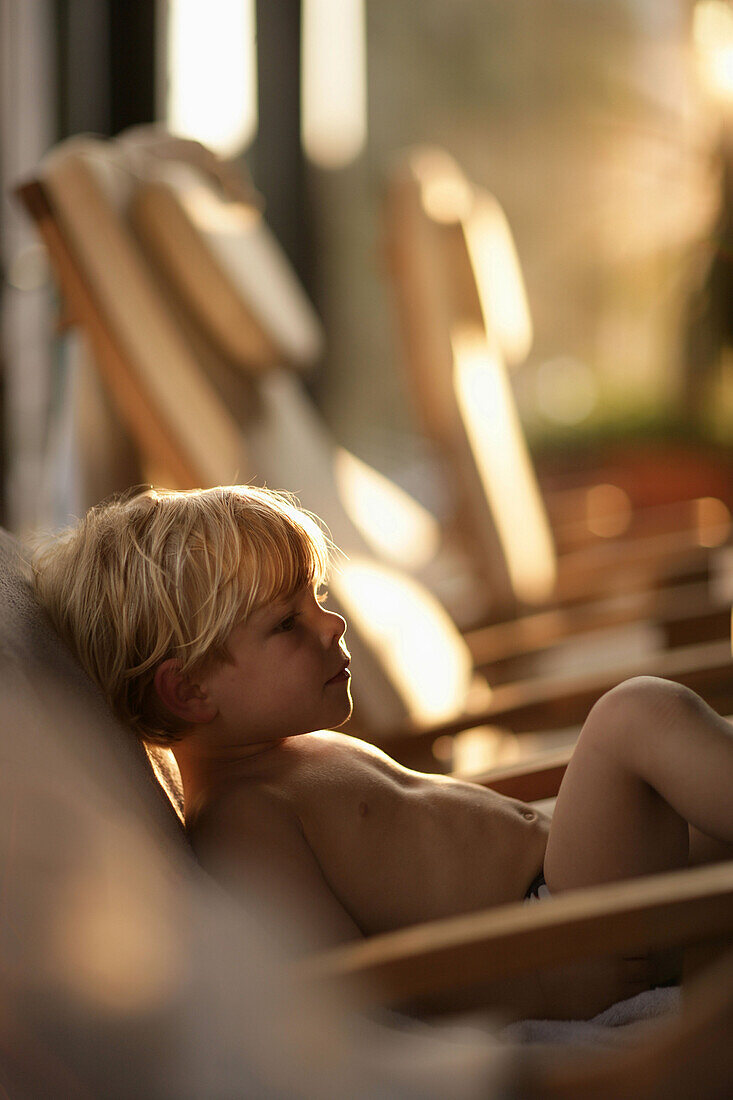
{"x":451,"y":260}
{"x":172,"y":385}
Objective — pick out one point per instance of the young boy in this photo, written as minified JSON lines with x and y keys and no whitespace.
{"x":201,"y":616}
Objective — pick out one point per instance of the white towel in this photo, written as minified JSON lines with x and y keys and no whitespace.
{"x":612,"y":1027}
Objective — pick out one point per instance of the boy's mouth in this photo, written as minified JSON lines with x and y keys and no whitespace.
{"x":342,"y":674}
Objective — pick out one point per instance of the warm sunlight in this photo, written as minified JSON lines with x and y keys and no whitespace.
{"x":497,"y":441}
{"x":212,"y":215}
{"x":448,"y":198}
{"x":249,"y":255}
{"x":498,"y":277}
{"x":608,"y":511}
{"x":333,"y":81}
{"x":417,"y":642}
{"x":212,"y":72}
{"x":712,"y":31}
{"x":394,"y":525}
{"x":445,"y":193}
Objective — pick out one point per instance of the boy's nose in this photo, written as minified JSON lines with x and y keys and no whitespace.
{"x":334,"y":627}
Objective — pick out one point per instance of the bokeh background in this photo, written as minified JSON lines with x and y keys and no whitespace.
{"x":601,"y":126}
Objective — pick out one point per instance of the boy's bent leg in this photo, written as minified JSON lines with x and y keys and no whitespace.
{"x":651,"y":758}
{"x":610,"y":822}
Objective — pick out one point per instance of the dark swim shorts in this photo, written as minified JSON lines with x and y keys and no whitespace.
{"x":537,"y":889}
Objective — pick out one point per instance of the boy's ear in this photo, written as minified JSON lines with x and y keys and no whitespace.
{"x":182,"y":695}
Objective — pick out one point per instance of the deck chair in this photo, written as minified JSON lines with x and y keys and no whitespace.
{"x":463,"y":314}
{"x":199,"y":419}
{"x":167,"y":220}
{"x":479,"y":960}
{"x":211,"y":270}
{"x":693,"y":612}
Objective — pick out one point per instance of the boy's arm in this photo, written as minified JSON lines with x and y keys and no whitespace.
{"x":254,"y":845}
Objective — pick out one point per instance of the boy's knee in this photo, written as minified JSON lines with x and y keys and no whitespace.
{"x":636,"y":707}
{"x":646,"y":695}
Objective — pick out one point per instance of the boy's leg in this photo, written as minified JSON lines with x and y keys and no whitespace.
{"x":652,"y":758}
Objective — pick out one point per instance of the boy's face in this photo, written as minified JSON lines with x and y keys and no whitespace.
{"x":288,"y":673}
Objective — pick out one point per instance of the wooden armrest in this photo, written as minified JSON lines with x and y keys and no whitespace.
{"x":574,"y":512}
{"x":677,"y":609}
{"x":706,"y":668}
{"x":618,"y":564}
{"x":552,"y":703}
{"x":435,"y":964}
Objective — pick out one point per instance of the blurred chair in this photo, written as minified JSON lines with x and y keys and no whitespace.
{"x":464,"y":315}
{"x":213,"y":249}
{"x":144,"y":234}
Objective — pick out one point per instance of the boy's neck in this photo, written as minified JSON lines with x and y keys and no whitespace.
{"x":203,"y":764}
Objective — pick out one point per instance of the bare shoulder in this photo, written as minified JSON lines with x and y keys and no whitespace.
{"x":337,"y":740}
{"x":337,"y":744}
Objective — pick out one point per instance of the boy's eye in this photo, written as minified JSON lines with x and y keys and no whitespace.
{"x":287,"y":623}
{"x":322,"y":595}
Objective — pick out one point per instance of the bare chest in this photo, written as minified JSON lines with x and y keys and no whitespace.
{"x":398,"y":847}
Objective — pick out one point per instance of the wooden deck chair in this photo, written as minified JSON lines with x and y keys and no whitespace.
{"x":227,"y":275}
{"x":158,"y":369}
{"x":480,"y":959}
{"x":463,"y":314}
{"x":206,"y":267}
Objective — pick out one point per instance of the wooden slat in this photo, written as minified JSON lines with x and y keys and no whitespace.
{"x":705,"y":668}
{"x":532,"y":633}
{"x":442,"y":958}
{"x":552,"y":703}
{"x":616,"y":564}
{"x":571,"y":528}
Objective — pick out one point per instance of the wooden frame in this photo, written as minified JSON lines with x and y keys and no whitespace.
{"x":437,"y":296}
{"x":686,"y":612}
{"x":480,"y":959}
{"x":147,"y":424}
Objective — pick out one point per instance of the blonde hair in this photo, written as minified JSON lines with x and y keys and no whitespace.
{"x":161,"y":574}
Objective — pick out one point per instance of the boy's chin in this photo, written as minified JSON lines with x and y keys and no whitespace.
{"x":348,"y":711}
